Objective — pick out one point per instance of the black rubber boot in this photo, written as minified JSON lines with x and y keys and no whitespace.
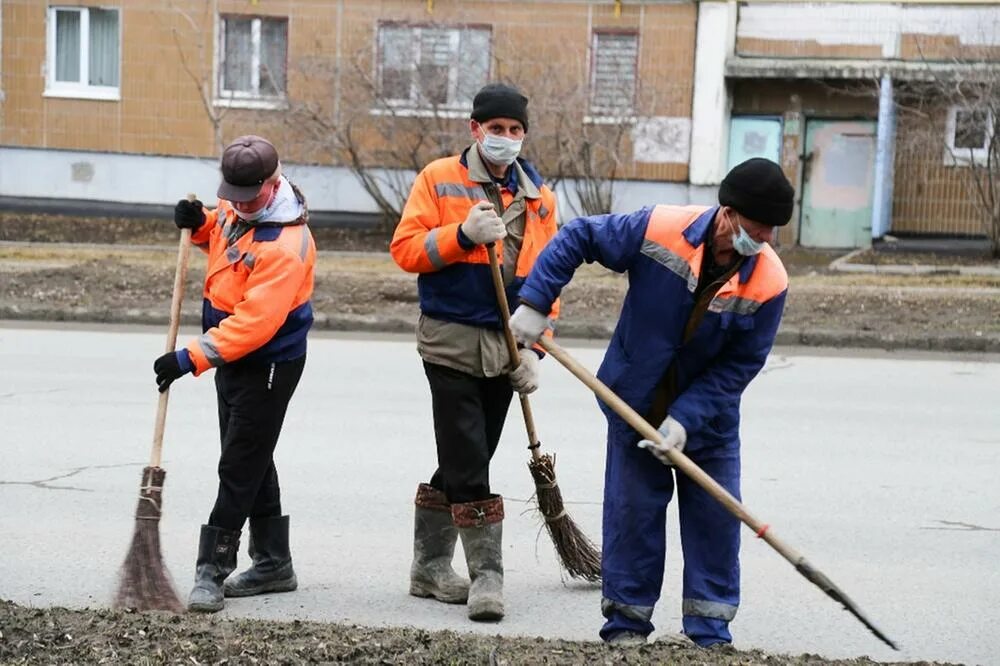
{"x":272,"y":562}
{"x":434,"y":538}
{"x":480,"y":525}
{"x":216,"y":560}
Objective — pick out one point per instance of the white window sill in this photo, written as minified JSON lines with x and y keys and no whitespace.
{"x":599,"y":119}
{"x":961,"y":158}
{"x":410,"y":112}
{"x":103,"y":94}
{"x":265,"y":103}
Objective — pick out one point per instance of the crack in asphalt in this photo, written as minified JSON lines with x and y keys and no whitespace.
{"x":958,"y":526}
{"x":44,"y":483}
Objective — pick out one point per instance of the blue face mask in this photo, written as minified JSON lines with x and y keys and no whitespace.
{"x":744,"y":244}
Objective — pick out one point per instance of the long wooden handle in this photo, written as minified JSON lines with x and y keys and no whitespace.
{"x":180,"y":276}
{"x":683,"y":463}
{"x":711,"y":486}
{"x":515,"y":358}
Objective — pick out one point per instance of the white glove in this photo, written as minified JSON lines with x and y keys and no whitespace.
{"x":524,"y":378}
{"x":483,"y":225}
{"x":673,"y":436}
{"x":528,"y":324}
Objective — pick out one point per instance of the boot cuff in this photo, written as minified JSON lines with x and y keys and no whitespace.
{"x":477,"y":514}
{"x":429,"y":497}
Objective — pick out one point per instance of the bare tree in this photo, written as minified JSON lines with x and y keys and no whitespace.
{"x":194,"y":49}
{"x":385,"y":142}
{"x":954,"y":116}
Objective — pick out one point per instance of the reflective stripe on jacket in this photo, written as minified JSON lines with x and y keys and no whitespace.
{"x":661,"y":248}
{"x":455,"y":283}
{"x":257,"y":291}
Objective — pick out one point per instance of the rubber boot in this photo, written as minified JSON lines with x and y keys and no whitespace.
{"x":480,"y":524}
{"x":272,"y":562}
{"x":216,"y":560}
{"x":434,"y":537}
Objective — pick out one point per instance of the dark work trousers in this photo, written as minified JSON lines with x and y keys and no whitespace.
{"x":468,"y":418}
{"x":253,"y":398}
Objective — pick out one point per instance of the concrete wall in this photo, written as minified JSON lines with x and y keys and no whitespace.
{"x":144,"y":179}
{"x":869,"y":30}
{"x":710,"y":108}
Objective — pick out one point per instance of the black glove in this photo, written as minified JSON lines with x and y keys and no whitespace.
{"x":167,"y":369}
{"x":188,"y":214}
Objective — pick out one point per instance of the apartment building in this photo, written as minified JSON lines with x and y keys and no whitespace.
{"x":632,"y":102}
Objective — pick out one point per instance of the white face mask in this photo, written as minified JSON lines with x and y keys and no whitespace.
{"x":499,"y":150}
{"x":260,"y":212}
{"x":744,"y":244}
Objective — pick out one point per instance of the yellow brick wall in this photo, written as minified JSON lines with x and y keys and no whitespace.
{"x":930,"y":196}
{"x":541,"y":46}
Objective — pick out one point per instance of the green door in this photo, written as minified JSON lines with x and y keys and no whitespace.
{"x":838,"y":179}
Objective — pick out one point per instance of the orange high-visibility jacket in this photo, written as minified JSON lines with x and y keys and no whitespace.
{"x":257,"y":291}
{"x":455,"y":283}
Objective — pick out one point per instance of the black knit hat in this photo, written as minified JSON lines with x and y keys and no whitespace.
{"x":498,"y":100}
{"x":759,"y":191}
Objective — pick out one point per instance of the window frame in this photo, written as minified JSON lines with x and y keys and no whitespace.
{"x":80,"y":89}
{"x":240,"y":98}
{"x":603,"y":114}
{"x":963,"y":157}
{"x":412,"y":107}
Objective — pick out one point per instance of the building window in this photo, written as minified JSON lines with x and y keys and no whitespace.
{"x":83,"y":48}
{"x":968,"y":134}
{"x":432,"y":67}
{"x":253,"y":63}
{"x":613,"y":66}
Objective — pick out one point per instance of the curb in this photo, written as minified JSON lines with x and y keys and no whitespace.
{"x":843,"y":264}
{"x":835,"y":338}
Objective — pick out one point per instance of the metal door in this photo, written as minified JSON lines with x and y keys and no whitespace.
{"x":837,"y":183}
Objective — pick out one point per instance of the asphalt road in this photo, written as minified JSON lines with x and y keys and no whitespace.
{"x":881,"y":469}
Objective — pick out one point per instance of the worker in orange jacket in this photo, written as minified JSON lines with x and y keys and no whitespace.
{"x":255,"y":316}
{"x":459,"y":205}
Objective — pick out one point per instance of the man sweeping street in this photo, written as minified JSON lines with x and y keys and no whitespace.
{"x":486,"y":194}
{"x":706,"y":294}
{"x":255,"y":317}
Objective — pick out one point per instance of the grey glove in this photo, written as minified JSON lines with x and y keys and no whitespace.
{"x":672,"y":436}
{"x":524,"y":378}
{"x":483,"y":225}
{"x":528,"y":324}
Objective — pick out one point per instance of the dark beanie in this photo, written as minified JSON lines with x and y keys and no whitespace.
{"x":759,"y":191}
{"x":498,"y":100}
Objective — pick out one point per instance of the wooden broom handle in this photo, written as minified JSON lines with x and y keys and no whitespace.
{"x":515,"y":358}
{"x":681,"y":461}
{"x":180,"y":276}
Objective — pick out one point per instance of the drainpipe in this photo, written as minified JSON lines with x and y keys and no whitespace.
{"x":884,"y":155}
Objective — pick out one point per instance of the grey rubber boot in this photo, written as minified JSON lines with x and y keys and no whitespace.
{"x":272,"y":562}
{"x":480,"y":524}
{"x":216,"y":560}
{"x":434,"y":537}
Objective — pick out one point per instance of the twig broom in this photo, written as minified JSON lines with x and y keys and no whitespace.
{"x":577,"y":553}
{"x":144,"y":583}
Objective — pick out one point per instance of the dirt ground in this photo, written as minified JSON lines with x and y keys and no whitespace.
{"x":60,"y":636}
{"x":120,"y":277}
